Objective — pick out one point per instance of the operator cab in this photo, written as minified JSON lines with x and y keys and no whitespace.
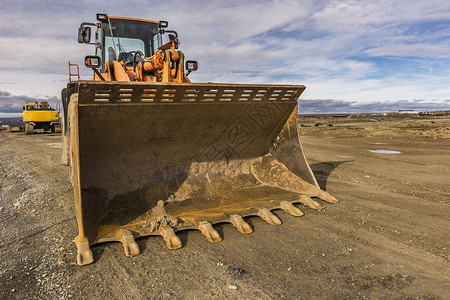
{"x":120,"y":38}
{"x":132,"y":42}
{"x":29,"y":106}
{"x":35,"y":106}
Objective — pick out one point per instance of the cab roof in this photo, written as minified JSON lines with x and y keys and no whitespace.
{"x":126,"y":18}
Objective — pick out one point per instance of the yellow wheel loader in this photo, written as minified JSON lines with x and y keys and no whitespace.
{"x":40,"y":116}
{"x":151,"y":153}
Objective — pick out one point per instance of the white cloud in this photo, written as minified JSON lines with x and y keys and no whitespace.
{"x":354,"y":15}
{"x":403,"y":50}
{"x":330,"y":46}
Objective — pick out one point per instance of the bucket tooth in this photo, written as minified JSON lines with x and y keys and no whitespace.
{"x":240,"y":224}
{"x":306,"y":200}
{"x":268,"y":216}
{"x":209,"y":232}
{"x":291,"y":209}
{"x":327,"y":197}
{"x":84,"y":254}
{"x":130,"y":247}
{"x":172,"y":241}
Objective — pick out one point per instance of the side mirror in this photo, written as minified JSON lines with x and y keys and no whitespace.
{"x":191,"y":65}
{"x":24,"y":108}
{"x":92,"y":61}
{"x":84,"y":34}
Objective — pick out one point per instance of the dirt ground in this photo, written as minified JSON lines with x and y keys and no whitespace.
{"x":388,"y":238}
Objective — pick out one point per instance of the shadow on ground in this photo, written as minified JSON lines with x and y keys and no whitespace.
{"x":322,"y":171}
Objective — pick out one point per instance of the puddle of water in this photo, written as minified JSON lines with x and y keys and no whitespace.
{"x":328,"y":137}
{"x":344,"y":156}
{"x":385,"y":151}
{"x":377,"y":143}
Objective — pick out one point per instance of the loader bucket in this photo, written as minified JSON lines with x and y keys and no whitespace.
{"x":156,"y":158}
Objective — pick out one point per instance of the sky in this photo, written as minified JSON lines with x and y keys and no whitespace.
{"x":352,"y":56}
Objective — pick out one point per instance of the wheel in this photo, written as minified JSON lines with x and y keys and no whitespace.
{"x":56,"y":128}
{"x":29,"y":128}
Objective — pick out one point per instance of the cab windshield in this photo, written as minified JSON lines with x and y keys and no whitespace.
{"x":128,"y":36}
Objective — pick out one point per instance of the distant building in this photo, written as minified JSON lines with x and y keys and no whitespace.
{"x":324,"y":116}
{"x":435,"y":113}
{"x":407,"y":111}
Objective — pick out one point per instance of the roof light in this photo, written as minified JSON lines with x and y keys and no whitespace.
{"x":92,"y":61}
{"x":102,"y":17}
{"x":191,"y":65}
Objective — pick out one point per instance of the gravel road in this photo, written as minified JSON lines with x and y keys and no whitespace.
{"x":388,"y":238}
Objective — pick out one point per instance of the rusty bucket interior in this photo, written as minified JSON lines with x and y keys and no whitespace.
{"x":152,"y":159}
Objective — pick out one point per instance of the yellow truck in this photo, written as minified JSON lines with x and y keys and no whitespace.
{"x":40,"y":116}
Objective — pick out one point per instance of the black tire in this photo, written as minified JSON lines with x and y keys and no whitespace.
{"x":29,"y":128}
